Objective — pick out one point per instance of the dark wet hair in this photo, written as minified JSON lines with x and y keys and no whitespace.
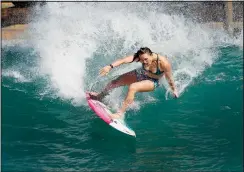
{"x":141,"y":51}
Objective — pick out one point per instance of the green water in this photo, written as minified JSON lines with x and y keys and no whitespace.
{"x":200,"y":131}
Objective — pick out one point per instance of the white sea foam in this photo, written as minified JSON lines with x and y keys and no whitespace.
{"x":66,"y":35}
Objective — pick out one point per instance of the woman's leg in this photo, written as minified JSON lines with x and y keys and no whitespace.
{"x":125,"y":79}
{"x":141,"y":86}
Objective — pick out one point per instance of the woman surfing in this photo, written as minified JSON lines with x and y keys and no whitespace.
{"x":145,"y":79}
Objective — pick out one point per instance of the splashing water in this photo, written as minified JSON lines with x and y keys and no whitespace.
{"x":67,"y":35}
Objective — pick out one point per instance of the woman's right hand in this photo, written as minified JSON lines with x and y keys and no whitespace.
{"x":105,"y":70}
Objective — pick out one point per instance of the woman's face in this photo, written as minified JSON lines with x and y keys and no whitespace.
{"x":146,"y":59}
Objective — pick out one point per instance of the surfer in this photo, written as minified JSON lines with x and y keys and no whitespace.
{"x":145,"y":79}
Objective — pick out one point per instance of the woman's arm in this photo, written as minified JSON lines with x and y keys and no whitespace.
{"x":169,"y":77}
{"x":121,"y":61}
{"x":105,"y":70}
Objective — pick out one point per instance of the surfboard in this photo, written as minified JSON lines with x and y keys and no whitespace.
{"x":103,"y":111}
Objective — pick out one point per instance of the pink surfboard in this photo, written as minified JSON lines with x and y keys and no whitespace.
{"x":103,"y":112}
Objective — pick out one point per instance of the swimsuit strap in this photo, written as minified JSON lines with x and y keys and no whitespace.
{"x":158,"y":70}
{"x":157,"y":64}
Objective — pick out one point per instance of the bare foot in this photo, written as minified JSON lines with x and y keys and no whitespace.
{"x":98,"y":96}
{"x":94,"y":96}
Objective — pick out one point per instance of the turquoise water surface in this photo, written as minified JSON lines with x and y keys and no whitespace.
{"x":48,"y":126}
{"x":202,"y":130}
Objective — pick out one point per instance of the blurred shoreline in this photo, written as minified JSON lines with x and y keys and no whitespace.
{"x":215,"y":15}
